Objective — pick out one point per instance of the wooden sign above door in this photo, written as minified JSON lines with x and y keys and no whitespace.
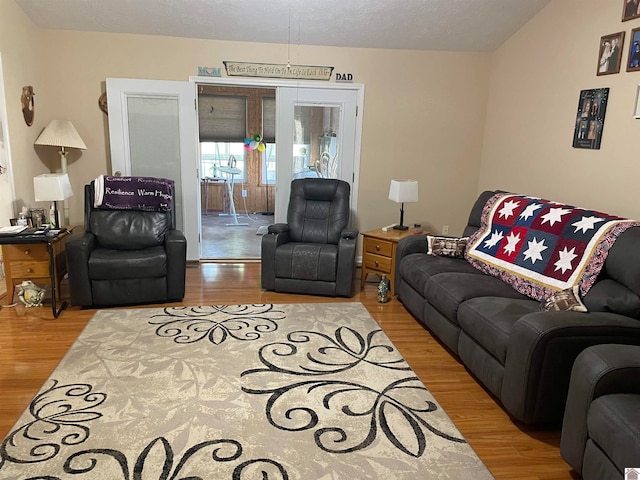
{"x":273,"y":70}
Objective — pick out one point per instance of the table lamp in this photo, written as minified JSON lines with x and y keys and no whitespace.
{"x":61,"y":133}
{"x":402,"y":191}
{"x":51,"y":187}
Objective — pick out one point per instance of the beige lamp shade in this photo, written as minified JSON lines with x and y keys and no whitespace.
{"x":403,"y":191}
{"x":61,"y":133}
{"x":50,"y":187}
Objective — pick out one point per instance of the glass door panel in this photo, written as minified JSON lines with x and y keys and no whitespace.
{"x":315,"y":141}
{"x":318,"y":127}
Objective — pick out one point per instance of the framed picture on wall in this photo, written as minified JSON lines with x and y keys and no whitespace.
{"x":592,"y":106}
{"x":633,"y":63}
{"x":610,"y":53}
{"x":630,"y":9}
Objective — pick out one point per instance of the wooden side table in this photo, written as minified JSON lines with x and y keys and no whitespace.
{"x":379,"y":253}
{"x":35,"y":257}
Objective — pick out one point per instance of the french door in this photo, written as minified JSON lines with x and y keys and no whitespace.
{"x":152,"y":130}
{"x":317,"y":136}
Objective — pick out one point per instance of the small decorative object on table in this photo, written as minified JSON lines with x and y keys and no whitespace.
{"x":383,"y":289}
{"x":31,"y":294}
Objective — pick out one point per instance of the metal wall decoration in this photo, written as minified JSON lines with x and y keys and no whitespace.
{"x":28,"y":104}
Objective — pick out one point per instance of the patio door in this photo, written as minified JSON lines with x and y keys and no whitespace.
{"x":317,"y":131}
{"x":152,"y":131}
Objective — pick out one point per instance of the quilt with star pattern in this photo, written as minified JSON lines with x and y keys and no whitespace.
{"x":540,"y":247}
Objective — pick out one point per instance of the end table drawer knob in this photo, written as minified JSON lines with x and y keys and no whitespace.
{"x":27,"y":252}
{"x":377,"y":263}
{"x":377,"y":248}
{"x":29,"y":270}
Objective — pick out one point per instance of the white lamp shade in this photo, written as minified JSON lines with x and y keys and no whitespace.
{"x":61,"y":133}
{"x":50,"y":187}
{"x":402,"y":191}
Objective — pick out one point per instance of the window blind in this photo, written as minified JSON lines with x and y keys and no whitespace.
{"x":222,"y":118}
{"x":269,"y":119}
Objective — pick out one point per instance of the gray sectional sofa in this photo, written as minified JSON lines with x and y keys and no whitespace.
{"x":521,"y":354}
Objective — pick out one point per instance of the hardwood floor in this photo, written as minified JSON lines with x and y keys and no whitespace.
{"x":32,"y":343}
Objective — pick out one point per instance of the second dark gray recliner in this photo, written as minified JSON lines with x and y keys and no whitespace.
{"x":314,"y":252}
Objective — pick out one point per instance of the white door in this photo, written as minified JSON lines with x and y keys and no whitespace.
{"x":152,"y":130}
{"x":317,"y":133}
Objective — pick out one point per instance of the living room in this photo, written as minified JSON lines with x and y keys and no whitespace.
{"x":457,"y":122}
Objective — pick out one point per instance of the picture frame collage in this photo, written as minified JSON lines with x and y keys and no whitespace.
{"x":592,"y":103}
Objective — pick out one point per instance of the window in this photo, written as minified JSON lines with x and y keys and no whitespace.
{"x":269,"y":165}
{"x":214,"y":155}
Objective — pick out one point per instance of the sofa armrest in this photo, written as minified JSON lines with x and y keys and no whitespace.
{"x":78,"y":250}
{"x":276,"y":236}
{"x":598,"y":370}
{"x":278,"y":228}
{"x":175,"y":245}
{"x":349,"y":234}
{"x":407,"y":246}
{"x":346,"y":263}
{"x":541,"y":351}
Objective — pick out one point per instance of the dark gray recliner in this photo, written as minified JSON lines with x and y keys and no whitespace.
{"x":314,"y":252}
{"x":126,"y":257}
{"x":601,"y":425}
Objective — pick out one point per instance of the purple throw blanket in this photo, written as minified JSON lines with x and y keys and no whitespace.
{"x":133,"y":193}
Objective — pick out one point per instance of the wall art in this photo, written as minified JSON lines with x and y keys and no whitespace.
{"x":633,"y":63}
{"x":610,"y":53}
{"x":592,"y":106}
{"x":630,"y":9}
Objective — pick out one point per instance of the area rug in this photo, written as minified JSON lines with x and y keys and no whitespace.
{"x":306,"y":391}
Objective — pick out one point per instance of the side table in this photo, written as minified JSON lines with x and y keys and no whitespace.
{"x":35,"y":256}
{"x":379,"y":253}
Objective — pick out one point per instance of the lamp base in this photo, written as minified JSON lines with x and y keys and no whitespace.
{"x":400,"y":227}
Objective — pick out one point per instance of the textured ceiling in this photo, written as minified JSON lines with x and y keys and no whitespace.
{"x":457,"y":25}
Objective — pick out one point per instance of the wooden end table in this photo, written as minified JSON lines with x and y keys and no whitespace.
{"x":35,"y":257}
{"x":379,"y":253}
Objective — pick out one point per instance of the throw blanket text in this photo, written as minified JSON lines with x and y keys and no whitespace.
{"x":133,"y":193}
{"x":540,"y":247}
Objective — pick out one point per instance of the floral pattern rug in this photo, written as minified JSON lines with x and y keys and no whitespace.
{"x":307,"y":391}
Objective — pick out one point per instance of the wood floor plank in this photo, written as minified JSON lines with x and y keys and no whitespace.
{"x":32,"y":343}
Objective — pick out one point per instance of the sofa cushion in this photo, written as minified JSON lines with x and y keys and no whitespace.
{"x":130,"y":229}
{"x":623,"y":261}
{"x":105,"y":264}
{"x":307,"y":261}
{"x":613,"y":423}
{"x":489,"y":321}
{"x":416,"y":268}
{"x":446,"y":291}
{"x":610,"y":296}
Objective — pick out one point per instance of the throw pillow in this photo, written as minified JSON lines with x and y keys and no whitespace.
{"x":568,"y":299}
{"x":446,"y":246}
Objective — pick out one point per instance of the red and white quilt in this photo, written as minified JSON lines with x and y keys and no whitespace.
{"x":540,"y":247}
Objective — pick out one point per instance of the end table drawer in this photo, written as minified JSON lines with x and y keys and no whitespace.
{"x":26,"y":252}
{"x":379,"y":247}
{"x":28,"y":269}
{"x":379,"y":263}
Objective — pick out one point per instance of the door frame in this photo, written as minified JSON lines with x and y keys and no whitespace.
{"x":275,"y":83}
